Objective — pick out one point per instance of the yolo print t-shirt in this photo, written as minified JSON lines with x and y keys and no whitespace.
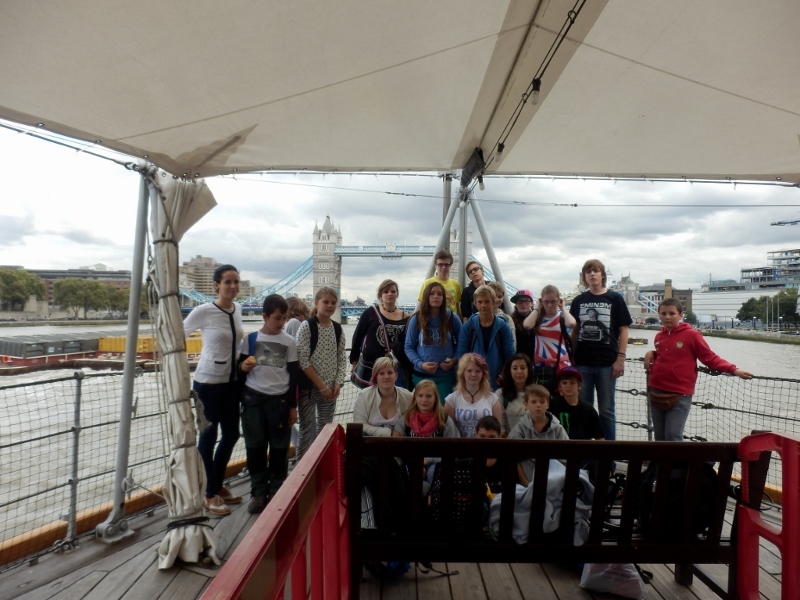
{"x":469,"y":413}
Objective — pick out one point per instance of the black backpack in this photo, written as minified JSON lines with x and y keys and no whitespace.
{"x":671,"y":522}
{"x":461,"y":490}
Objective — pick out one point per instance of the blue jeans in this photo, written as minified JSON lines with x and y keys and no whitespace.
{"x":668,"y":425}
{"x":221,"y":409}
{"x":599,"y":378}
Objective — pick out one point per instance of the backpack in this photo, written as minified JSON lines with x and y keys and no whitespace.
{"x":671,"y":522}
{"x":304,"y":383}
{"x":461,"y":491}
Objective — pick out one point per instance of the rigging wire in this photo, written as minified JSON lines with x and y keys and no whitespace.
{"x":511,"y":202}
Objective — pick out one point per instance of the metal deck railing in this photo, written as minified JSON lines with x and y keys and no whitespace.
{"x":58,"y":441}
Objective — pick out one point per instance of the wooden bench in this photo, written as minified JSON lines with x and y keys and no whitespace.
{"x":622,"y":543}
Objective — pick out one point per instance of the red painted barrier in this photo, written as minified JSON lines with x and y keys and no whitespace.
{"x":303,"y":530}
{"x":752,"y":527}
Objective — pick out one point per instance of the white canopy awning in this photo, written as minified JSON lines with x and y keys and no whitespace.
{"x":701,"y":89}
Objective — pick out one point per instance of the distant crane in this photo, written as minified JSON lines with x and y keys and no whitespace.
{"x":795,"y":222}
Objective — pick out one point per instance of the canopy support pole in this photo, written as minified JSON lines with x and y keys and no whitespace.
{"x":447,"y":195}
{"x":115,"y":527}
{"x":476,"y":211}
{"x":462,"y":244}
{"x":444,"y":235}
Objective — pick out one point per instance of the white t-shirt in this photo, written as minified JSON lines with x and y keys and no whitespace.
{"x":273,"y":353}
{"x":469,"y":413}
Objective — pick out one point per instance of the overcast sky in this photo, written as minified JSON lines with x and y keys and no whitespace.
{"x":61,"y":209}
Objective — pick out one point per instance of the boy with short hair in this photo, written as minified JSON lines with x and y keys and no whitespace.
{"x":489,"y":428}
{"x":475,"y":273}
{"x":443,"y":260}
{"x":672,"y":370}
{"x":578,"y":418}
{"x":269,"y":402}
{"x":536,"y":424}
{"x":600,"y":341}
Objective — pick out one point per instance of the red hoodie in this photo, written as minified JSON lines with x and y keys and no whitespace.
{"x":675,"y":359}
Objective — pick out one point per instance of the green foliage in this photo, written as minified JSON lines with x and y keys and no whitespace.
{"x":783,"y":305}
{"x":77,"y":294}
{"x":144,"y":300}
{"x":17,"y":285}
{"x":690,"y":317}
{"x":750,"y":310}
{"x":117,"y":299}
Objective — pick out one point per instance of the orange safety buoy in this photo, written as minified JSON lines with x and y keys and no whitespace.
{"x":6,"y":359}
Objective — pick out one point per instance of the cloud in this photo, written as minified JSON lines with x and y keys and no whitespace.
{"x":542,"y":231}
{"x":14,"y":229}
{"x":82,"y":236}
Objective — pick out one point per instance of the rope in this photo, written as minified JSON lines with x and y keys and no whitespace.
{"x":186,"y":522}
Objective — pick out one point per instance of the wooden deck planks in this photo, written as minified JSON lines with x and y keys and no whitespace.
{"x":499,"y":581}
{"x":81,"y":587}
{"x":370,"y":586}
{"x":152,"y":582}
{"x":468,"y":584}
{"x":402,"y":588}
{"x":117,"y":582}
{"x":433,"y":585}
{"x":663,"y":585}
{"x":100,"y":572}
{"x":565,"y":582}
{"x":91,"y":556}
{"x":184,"y":586}
{"x":532,"y":582}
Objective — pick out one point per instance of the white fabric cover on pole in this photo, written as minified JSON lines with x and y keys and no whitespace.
{"x":178,"y":204}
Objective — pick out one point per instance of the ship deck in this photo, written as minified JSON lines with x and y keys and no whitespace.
{"x":129,"y":571}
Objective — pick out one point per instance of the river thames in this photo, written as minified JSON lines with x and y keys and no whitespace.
{"x":760,"y":358}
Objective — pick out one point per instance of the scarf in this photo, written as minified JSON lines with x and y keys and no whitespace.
{"x":423,"y":424}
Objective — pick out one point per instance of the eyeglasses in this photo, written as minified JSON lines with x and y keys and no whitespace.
{"x":524,"y":301}
{"x":549,"y":301}
{"x":473,"y":270}
{"x":443,"y":265}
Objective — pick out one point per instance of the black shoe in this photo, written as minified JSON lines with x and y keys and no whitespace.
{"x":257,"y":504}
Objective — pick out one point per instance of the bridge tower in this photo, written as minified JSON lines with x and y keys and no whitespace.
{"x":455,"y":250}
{"x":327,"y":266}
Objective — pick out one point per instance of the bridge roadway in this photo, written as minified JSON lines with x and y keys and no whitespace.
{"x":288,"y":283}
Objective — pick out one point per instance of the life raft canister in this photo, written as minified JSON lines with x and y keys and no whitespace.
{"x":6,"y":359}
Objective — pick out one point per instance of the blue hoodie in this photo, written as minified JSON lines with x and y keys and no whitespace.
{"x":501,"y":344}
{"x":419,"y":352}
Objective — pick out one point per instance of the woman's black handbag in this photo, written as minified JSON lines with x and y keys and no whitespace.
{"x":362,"y":372}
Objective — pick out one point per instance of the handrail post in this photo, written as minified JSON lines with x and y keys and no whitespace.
{"x":72,"y":528}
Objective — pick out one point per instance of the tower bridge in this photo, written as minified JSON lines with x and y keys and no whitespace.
{"x":325,"y":267}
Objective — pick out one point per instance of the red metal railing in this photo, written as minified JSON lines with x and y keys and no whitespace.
{"x":752,"y":527}
{"x":305,"y":525}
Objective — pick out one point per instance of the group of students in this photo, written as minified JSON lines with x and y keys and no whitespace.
{"x":449,"y":324}
{"x":521,"y":409}
{"x":291,"y":370}
{"x":458,"y":359}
